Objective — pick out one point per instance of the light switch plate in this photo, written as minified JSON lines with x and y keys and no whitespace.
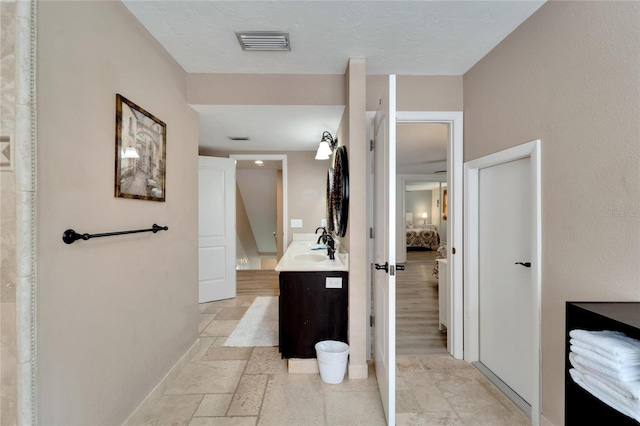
{"x":334,"y":282}
{"x":323,"y":223}
{"x":296,"y":223}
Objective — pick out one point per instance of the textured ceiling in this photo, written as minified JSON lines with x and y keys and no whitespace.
{"x":395,"y":37}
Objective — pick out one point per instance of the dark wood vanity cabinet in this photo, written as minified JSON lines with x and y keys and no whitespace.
{"x":311,"y":312}
{"x":582,"y":408}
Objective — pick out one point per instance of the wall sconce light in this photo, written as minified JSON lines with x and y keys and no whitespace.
{"x":424,"y":218}
{"x":130,"y":152}
{"x":326,"y":147}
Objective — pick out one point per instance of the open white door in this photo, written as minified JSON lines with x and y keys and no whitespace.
{"x":216,"y":228}
{"x":384,"y":251}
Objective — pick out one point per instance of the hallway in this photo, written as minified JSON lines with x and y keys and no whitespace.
{"x":251,"y":386}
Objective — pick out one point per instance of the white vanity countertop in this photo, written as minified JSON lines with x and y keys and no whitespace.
{"x":301,"y":257}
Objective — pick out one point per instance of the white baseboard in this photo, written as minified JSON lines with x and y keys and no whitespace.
{"x":358,"y":371}
{"x":138,"y":415}
{"x":544,"y":421}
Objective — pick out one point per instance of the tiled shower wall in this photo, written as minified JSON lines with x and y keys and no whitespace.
{"x":7,"y":215}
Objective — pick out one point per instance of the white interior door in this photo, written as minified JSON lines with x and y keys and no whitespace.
{"x":216,"y":228}
{"x":505,"y":287}
{"x":384,"y":252}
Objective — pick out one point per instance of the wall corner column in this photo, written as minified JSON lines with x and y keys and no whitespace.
{"x":25,"y":171}
{"x":356,"y":79}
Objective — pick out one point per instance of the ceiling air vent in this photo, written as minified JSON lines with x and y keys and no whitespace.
{"x":264,"y":40}
{"x":239,"y":138}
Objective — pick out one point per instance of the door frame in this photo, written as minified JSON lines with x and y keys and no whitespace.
{"x":454,"y":223}
{"x":273,"y":157}
{"x":455,"y":167}
{"x":471,"y":263}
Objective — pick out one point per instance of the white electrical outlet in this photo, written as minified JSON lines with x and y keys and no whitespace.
{"x":296,"y":223}
{"x":323,"y":223}
{"x":334,"y":282}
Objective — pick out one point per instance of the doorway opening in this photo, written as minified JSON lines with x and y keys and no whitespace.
{"x":421,"y":326}
{"x":421,"y":176}
{"x":451,"y":176}
{"x":261,"y":188}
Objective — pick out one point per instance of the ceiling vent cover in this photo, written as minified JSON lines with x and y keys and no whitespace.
{"x":264,"y":40}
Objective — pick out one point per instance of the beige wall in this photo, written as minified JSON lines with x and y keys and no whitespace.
{"x":357,"y":234}
{"x":570,"y":76}
{"x":7,"y":219}
{"x":114,"y":314}
{"x":306,"y":186}
{"x":243,"y":228}
{"x":418,"y":92}
{"x":306,"y":190}
{"x":418,"y":202}
{"x":266,"y":89}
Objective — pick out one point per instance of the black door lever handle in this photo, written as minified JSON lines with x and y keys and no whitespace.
{"x":525,"y":264}
{"x":388,"y":268}
{"x":385,"y":266}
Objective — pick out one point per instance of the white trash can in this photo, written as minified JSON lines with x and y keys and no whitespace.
{"x":332,"y":360}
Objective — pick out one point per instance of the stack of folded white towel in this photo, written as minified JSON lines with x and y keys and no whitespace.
{"x":607,"y":365}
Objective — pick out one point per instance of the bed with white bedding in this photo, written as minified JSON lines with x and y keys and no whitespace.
{"x":424,"y":236}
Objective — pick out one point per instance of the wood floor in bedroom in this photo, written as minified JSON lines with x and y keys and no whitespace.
{"x":417,"y":330}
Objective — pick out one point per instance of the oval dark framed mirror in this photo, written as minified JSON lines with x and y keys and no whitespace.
{"x":340,"y":191}
{"x":330,"y":223}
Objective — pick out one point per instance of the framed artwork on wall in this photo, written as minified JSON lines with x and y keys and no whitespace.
{"x":444,"y":204}
{"x":140,"y":161}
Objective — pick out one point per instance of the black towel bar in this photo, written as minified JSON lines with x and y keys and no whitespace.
{"x":69,"y":236}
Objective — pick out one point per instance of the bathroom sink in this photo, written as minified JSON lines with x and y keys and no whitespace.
{"x":305,"y":255}
{"x":310,"y":257}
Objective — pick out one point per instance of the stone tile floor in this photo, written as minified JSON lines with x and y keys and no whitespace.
{"x":251,"y":386}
